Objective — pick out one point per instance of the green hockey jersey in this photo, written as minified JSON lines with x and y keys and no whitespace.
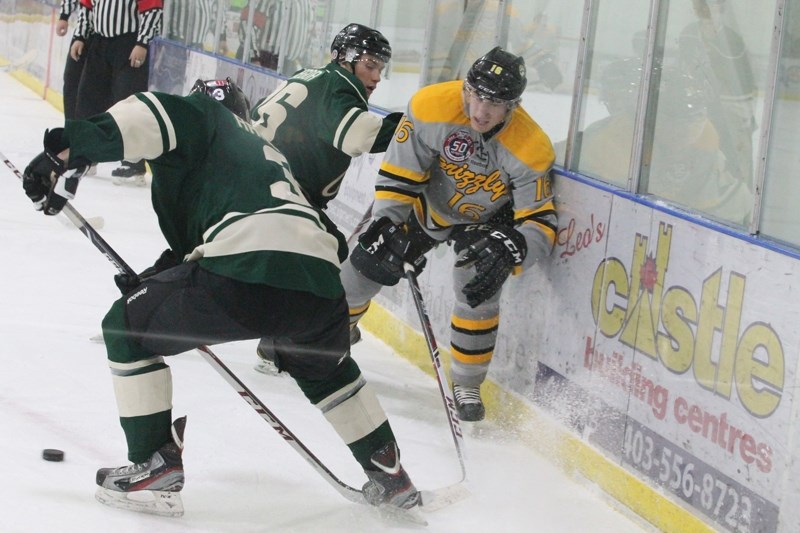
{"x":223,"y":196}
{"x":319,"y":120}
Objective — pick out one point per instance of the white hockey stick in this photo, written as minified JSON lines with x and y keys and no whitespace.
{"x":433,"y":349}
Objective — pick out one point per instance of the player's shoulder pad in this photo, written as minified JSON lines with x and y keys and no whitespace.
{"x":441,"y":102}
{"x":527,"y":142}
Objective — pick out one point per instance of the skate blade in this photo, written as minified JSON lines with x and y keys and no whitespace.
{"x":138,"y":180}
{"x":267,"y":368}
{"x":97,"y":338}
{"x":399,"y":515}
{"x":157,"y":502}
{"x":433,"y":500}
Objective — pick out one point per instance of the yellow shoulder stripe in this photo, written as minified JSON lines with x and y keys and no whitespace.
{"x":441,"y":102}
{"x":411,"y":175}
{"x":394,"y":196}
{"x":527,"y":142}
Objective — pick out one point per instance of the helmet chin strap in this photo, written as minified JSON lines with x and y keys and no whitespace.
{"x":509,"y":109}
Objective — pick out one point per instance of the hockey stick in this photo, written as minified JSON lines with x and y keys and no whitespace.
{"x":433,"y":349}
{"x":431,"y":499}
{"x":74,"y":216}
{"x":350,"y":493}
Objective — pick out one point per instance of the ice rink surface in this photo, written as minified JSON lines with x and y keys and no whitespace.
{"x":55,"y":392}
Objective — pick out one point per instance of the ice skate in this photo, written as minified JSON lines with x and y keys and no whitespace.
{"x":266,"y":364}
{"x":150,"y":487}
{"x":130,"y":174}
{"x":390,"y":489}
{"x":355,"y":335}
{"x":468,"y":403}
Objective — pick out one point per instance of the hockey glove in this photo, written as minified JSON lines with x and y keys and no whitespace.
{"x":42,"y":180}
{"x":126,"y":283}
{"x":382,"y":252}
{"x":395,"y":117}
{"x":494,"y":251}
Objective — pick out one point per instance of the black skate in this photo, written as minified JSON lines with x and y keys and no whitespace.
{"x":266,"y":359}
{"x":390,"y":489}
{"x":389,"y":485}
{"x":130,"y":174}
{"x":150,"y":487}
{"x":468,"y":403}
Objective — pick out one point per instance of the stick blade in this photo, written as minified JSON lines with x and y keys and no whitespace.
{"x":433,"y":500}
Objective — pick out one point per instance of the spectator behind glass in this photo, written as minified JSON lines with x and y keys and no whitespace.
{"x":685,"y":163}
{"x":714,"y":54}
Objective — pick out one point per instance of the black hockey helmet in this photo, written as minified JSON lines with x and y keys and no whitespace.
{"x":356,"y":39}
{"x":227,"y":93}
{"x":499,"y":76}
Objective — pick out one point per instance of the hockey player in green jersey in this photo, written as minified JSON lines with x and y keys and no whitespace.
{"x":258,"y":260}
{"x":467,"y":165}
{"x":319,"y":120}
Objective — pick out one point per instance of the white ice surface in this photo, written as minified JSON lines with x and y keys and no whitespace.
{"x":55,"y":392}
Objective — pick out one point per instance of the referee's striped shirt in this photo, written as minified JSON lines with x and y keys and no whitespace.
{"x":67,"y":7}
{"x":112,"y":18}
{"x":189,"y":21}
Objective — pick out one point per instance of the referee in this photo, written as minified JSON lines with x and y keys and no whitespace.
{"x":116,"y":64}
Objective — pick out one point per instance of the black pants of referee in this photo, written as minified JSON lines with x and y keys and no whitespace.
{"x":108,"y":76}
{"x":72,"y":79}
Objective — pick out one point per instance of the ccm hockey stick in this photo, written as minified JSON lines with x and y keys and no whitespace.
{"x":350,"y":493}
{"x":433,"y":349}
{"x":431,"y":499}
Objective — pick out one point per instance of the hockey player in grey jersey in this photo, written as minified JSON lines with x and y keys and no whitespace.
{"x":257,"y":260}
{"x":467,"y":165}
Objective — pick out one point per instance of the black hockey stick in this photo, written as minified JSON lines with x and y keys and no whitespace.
{"x":70,"y":213}
{"x":433,"y":349}
{"x":122,"y":267}
{"x":431,"y":499}
{"x":352,"y":494}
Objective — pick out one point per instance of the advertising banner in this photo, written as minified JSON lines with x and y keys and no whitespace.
{"x":669,"y":354}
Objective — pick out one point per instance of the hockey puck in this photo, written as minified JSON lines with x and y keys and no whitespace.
{"x":51,"y":454}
